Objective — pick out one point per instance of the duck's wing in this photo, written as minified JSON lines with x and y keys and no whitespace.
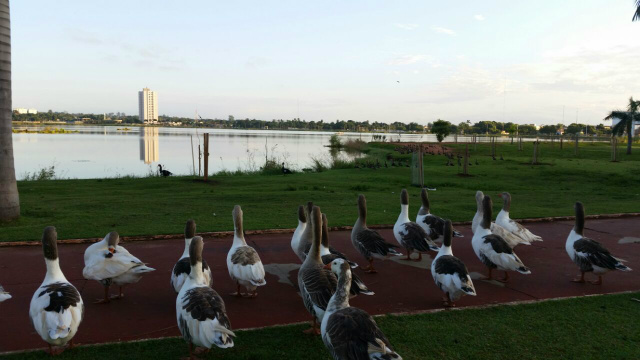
{"x":246,"y":265}
{"x":498,"y":252}
{"x":523,"y":232}
{"x":369,"y":242}
{"x":57,"y":310}
{"x":319,"y":284}
{"x":415,"y":237}
{"x":451,"y":273}
{"x":351,"y":333}
{"x":202,"y":314}
{"x":597,"y":254}
{"x":511,"y":238}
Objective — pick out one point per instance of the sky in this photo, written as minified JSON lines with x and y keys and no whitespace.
{"x":541,"y":62}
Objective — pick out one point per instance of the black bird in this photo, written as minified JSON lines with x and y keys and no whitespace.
{"x":285,"y":171}
{"x":164,"y":172}
{"x":493,"y":156}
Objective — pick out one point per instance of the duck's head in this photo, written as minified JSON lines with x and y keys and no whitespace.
{"x":404,"y":197}
{"x":49,"y":243}
{"x":302,"y":217}
{"x":190,"y":229}
{"x":195,"y":250}
{"x":338,"y":266}
{"x":237,"y":220}
{"x":506,"y":200}
{"x":448,"y":233}
{"x":113,"y":238}
{"x":479,"y":197}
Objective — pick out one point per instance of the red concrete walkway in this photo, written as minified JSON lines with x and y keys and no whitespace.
{"x":148,"y":309}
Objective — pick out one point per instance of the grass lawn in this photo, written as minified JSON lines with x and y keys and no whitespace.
{"x":599,"y":327}
{"x":149,"y":206}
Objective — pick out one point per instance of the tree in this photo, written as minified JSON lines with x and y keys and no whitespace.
{"x":636,"y":16}
{"x":441,"y":128}
{"x":9,"y":199}
{"x":627,"y":118}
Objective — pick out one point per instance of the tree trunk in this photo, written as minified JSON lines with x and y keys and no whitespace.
{"x":629,"y":135}
{"x":9,"y":200}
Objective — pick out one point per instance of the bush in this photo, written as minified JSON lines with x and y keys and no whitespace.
{"x":334,"y":141}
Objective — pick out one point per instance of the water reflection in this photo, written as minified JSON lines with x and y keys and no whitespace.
{"x":149,"y":145}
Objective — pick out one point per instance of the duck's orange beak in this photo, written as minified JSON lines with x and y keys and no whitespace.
{"x":328,"y":266}
{"x":112,"y":250}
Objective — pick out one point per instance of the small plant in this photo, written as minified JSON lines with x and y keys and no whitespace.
{"x":46,"y":173}
{"x":318,"y":164}
{"x":334,"y":141}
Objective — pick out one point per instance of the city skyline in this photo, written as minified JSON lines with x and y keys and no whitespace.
{"x":414,"y":62}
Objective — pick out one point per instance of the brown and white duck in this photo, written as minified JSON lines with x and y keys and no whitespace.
{"x":182,"y":268}
{"x":369,"y":242}
{"x":588,"y":254}
{"x":493,"y":250}
{"x":433,"y":225}
{"x":515,"y":228}
{"x":409,"y":234}
{"x":56,"y":308}
{"x":348,"y":332}
{"x":316,"y":283}
{"x":243,"y":261}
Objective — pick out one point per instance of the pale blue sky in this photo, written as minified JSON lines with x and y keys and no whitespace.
{"x":330,"y":59}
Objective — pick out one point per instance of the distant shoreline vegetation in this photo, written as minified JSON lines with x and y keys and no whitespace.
{"x":463,"y":128}
{"x":46,"y":130}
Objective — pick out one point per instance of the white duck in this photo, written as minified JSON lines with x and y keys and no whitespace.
{"x":4,"y":295}
{"x":200,"y":311}
{"x":433,"y":225}
{"x":449,"y":272}
{"x":515,"y":228}
{"x":409,"y":234}
{"x":348,"y":332}
{"x":512,"y":239}
{"x":302,"y":225}
{"x":369,"y":242}
{"x":316,"y":283}
{"x":243,"y":262}
{"x":588,"y":254}
{"x":56,"y":308}
{"x":493,"y":250}
{"x":182,"y":268}
{"x":111,"y":264}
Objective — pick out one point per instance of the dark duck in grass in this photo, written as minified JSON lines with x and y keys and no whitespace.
{"x":285,"y":171}
{"x":369,"y":242}
{"x":163,"y":172}
{"x":409,"y":234}
{"x":588,"y":254}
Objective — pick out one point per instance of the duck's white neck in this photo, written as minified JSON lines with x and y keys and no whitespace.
{"x":444,"y":250}
{"x":54,"y":273}
{"x":573,"y":236}
{"x":340,"y":298}
{"x":404,"y":212}
{"x":238,"y":240}
{"x":187,"y":243}
{"x":324,"y":250}
{"x":196,"y":274}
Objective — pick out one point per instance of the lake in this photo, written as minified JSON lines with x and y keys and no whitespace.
{"x":110,"y":151}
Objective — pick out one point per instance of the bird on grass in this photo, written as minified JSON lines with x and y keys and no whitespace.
{"x":285,"y":171}
{"x":164,"y":172}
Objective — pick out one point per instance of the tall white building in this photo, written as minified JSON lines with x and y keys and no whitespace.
{"x":148,"y":106}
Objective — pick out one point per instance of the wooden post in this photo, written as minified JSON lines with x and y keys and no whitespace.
{"x":465,"y":166}
{"x":614,"y":149}
{"x":420,"y":166}
{"x":199,"y":161}
{"x":576,"y":149}
{"x":193,"y":159}
{"x":206,"y":156}
{"x":455,"y":136}
{"x":561,"y":140}
{"x":535,"y":153}
{"x":511,"y":139}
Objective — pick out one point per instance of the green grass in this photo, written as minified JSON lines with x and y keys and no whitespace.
{"x":153,"y":205}
{"x":600,"y":327}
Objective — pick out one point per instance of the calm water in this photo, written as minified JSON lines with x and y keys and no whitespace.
{"x":106,"y":151}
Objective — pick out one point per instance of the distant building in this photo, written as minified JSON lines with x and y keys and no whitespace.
{"x":148,"y":106}
{"x":25,"y":111}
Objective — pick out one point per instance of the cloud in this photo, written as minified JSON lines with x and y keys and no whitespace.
{"x":479,"y":17}
{"x":407,"y":26}
{"x":408,"y":59}
{"x":256,"y":62}
{"x":441,"y":30}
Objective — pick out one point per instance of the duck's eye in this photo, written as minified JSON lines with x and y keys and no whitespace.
{"x":108,"y":255}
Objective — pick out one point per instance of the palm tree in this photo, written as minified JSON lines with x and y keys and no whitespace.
{"x":627,"y":119}
{"x":9,"y":200}
{"x":636,"y":16}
